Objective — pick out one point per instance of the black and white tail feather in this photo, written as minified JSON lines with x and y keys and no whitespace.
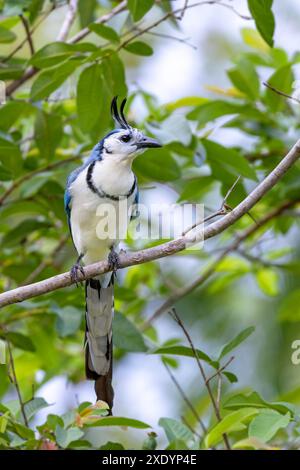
{"x":99,"y":294}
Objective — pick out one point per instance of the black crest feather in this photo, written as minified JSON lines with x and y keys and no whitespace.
{"x":119,"y":118}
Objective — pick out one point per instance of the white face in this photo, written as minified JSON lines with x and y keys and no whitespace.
{"x":127,"y":144}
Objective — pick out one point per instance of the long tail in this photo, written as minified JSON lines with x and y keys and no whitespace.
{"x":98,"y":353}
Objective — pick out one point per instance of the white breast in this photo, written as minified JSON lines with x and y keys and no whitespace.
{"x":86,"y":208}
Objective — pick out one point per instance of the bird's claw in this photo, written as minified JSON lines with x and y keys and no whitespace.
{"x":113,"y":260}
{"x":74,"y":273}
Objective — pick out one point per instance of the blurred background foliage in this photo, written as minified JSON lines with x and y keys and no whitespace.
{"x":218,"y":124}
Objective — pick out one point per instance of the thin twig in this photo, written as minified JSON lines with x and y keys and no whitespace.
{"x":281,"y":93}
{"x":68,"y":21}
{"x":14,"y":380}
{"x":177,"y":319}
{"x":185,"y":398}
{"x":220,"y":370}
{"x":185,"y":421}
{"x":222,"y":211}
{"x":28,"y":33}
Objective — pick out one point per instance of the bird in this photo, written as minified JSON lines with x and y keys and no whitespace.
{"x":105,"y":178}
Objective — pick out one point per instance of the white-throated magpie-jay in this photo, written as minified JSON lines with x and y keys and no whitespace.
{"x":105,"y":178}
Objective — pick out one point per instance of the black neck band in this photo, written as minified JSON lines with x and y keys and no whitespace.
{"x":100,"y":192}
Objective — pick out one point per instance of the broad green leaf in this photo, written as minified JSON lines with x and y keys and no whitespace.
{"x":86,"y":9}
{"x":126,"y":335}
{"x":48,"y":132}
{"x":120,"y":421}
{"x":254,"y":400}
{"x":52,"y":54}
{"x":20,"y":341}
{"x":268,"y":280}
{"x":254,"y":40}
{"x":230,"y":159}
{"x":231,"y":422}
{"x":68,"y":319}
{"x":21,"y":231}
{"x":195,"y":188}
{"x":114,"y":75}
{"x":282,"y":80}
{"x":139,"y":8}
{"x":289,"y":309}
{"x":49,"y":81}
{"x":234,"y":343}
{"x":245,"y":78}
{"x":139,"y":48}
{"x":187,"y":101}
{"x":174,"y":128}
{"x":12,"y":111}
{"x":35,"y":405}
{"x":183,"y":351}
{"x":34,"y":184}
{"x":265,"y":425}
{"x":11,"y":72}
{"x":261,"y":11}
{"x":157,"y":165}
{"x":105,"y":32}
{"x":212,"y":110}
{"x":10,"y":156}
{"x":65,"y":436}
{"x":6,"y":35}
{"x":90,"y":96}
{"x":34,"y":9}
{"x":176,"y":430}
{"x":112,"y":446}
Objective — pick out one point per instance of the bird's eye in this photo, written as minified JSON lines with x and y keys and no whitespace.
{"x":125,"y":138}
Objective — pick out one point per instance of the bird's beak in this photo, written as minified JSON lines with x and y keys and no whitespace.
{"x":148,"y":142}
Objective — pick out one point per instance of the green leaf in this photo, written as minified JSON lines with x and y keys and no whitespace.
{"x":119,"y":421}
{"x":48,"y":131}
{"x":139,"y":48}
{"x":6,"y":35}
{"x":231,"y":422}
{"x":68,"y":320}
{"x":234,"y":343}
{"x":139,"y":8}
{"x":126,"y":335}
{"x":265,"y":425}
{"x":52,"y":54}
{"x":86,"y":10}
{"x":157,"y":165}
{"x":20,"y":341}
{"x":105,"y":32}
{"x":176,"y":430}
{"x":183,"y":351}
{"x":245,"y":78}
{"x":112,"y":446}
{"x":90,"y":97}
{"x":33,"y":185}
{"x":21,"y":231}
{"x":10,"y":156}
{"x":174,"y":128}
{"x":282,"y":80}
{"x":268,"y":281}
{"x":65,"y":436}
{"x":212,"y":110}
{"x":254,"y":400}
{"x":49,"y":81}
{"x":35,"y":405}
{"x":186,"y":101}
{"x":261,"y":11}
{"x":114,"y":75}
{"x":230,"y":159}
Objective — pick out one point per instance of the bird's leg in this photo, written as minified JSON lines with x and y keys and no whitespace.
{"x":75,"y":268}
{"x":113,"y":260}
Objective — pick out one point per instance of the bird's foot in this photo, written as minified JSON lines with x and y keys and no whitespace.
{"x":113,"y":260}
{"x":74,"y":271}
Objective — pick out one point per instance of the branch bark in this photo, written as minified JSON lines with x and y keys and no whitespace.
{"x":166,"y":249}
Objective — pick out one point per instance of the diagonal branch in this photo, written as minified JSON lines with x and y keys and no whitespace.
{"x":166,"y":249}
{"x":69,"y":20}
